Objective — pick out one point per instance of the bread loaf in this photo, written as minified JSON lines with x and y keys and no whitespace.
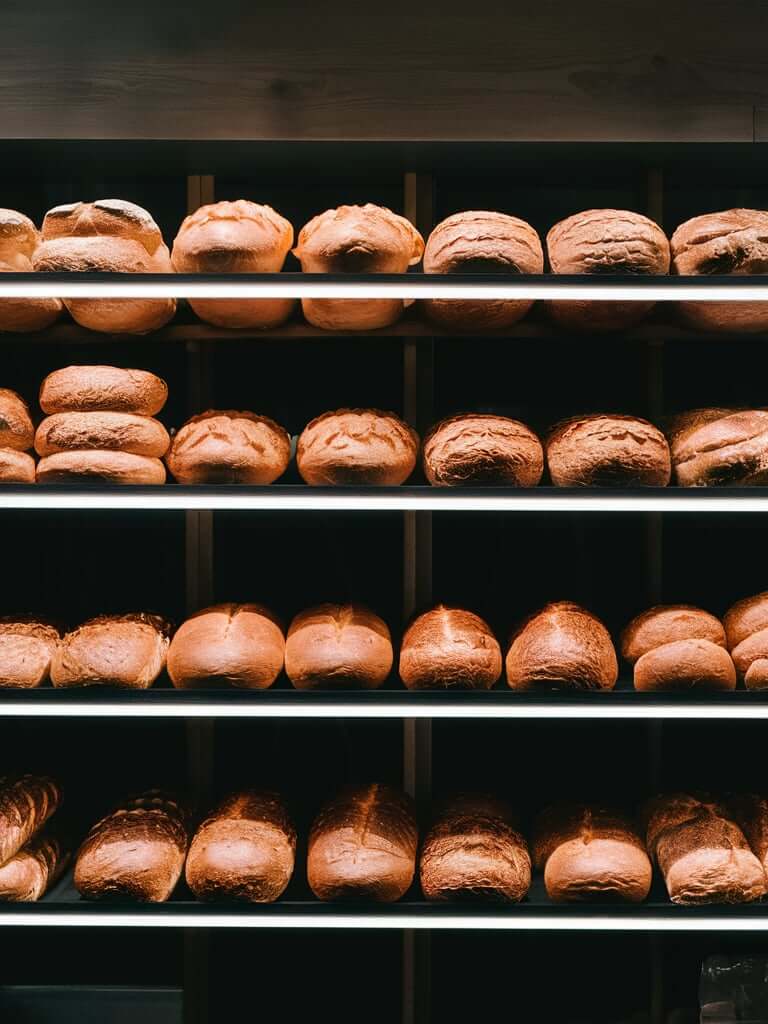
{"x":481,"y":449}
{"x":701,"y":851}
{"x":449,"y":648}
{"x":228,"y":447}
{"x":110,"y":431}
{"x":362,"y":845}
{"x":474,"y":851}
{"x":227,"y":645}
{"x":678,"y":647}
{"x":112,"y":236}
{"x":103,"y":389}
{"x":26,"y":803}
{"x":19,"y":238}
{"x":746,"y":627}
{"x":357,"y":240}
{"x":481,"y":242}
{"x":338,"y":646}
{"x":605,"y":242}
{"x":112,"y":650}
{"x":235,"y":238}
{"x":27,"y":646}
{"x":750,"y":812}
{"x":562,"y":646}
{"x":16,"y":430}
{"x":720,"y":447}
{"x":606,"y":450}
{"x":244,"y":851}
{"x":30,"y":873}
{"x":137,"y":852}
{"x":96,"y":466}
{"x":729,"y":242}
{"x":589,"y":852}
{"x":357,"y":446}
{"x":16,"y":467}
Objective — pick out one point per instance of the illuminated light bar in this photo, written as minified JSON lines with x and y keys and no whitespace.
{"x":602,"y":288}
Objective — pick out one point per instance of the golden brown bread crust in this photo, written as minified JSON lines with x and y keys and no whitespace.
{"x":666,"y":623}
{"x":16,"y":467}
{"x":750,"y":812}
{"x":473,"y":850}
{"x":728,"y":242}
{"x":338,"y":647}
{"x":26,"y":803}
{"x":607,"y":450}
{"x":225,"y":446}
{"x":245,"y":850}
{"x":137,"y":852}
{"x":227,"y":645}
{"x":103,"y":389}
{"x":362,"y":845}
{"x":449,"y":648}
{"x":720,"y":447}
{"x":590,"y":852}
{"x":481,"y":241}
{"x":745,"y":617}
{"x":16,"y":430}
{"x":110,"y":431}
{"x":19,"y":238}
{"x":701,"y":851}
{"x":746,"y":628}
{"x":357,"y":446}
{"x":97,"y":466}
{"x":29,"y":873}
{"x":562,"y":646}
{"x":112,"y":650}
{"x":27,"y":646}
{"x":476,"y":448}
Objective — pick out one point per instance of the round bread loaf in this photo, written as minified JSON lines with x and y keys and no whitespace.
{"x":245,"y":850}
{"x":235,"y":238}
{"x":16,"y":430}
{"x":228,"y":447}
{"x":357,"y":446}
{"x":227,"y":645}
{"x":590,"y":853}
{"x":481,"y":242}
{"x":27,"y":646}
{"x":448,"y":648}
{"x":729,"y":242}
{"x":107,"y":236}
{"x":338,"y":647}
{"x":720,"y":447}
{"x":112,"y":650}
{"x":606,"y":450}
{"x":19,"y":238}
{"x":605,"y":242}
{"x":357,"y":240}
{"x":362,"y":845}
{"x":110,"y":431}
{"x":562,"y":646}
{"x":99,"y":467}
{"x":103,"y":389}
{"x":473,"y":851}
{"x":476,"y":448}
{"x":667,"y":623}
{"x":16,"y":467}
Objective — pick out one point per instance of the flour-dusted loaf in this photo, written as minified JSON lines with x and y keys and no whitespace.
{"x":746,"y":628}
{"x":357,"y":446}
{"x":229,"y":447}
{"x":109,"y":431}
{"x":103,"y":389}
{"x":113,"y":650}
{"x":26,"y":803}
{"x":338,"y":646}
{"x":607,"y":450}
{"x":449,"y":648}
{"x":27,"y":647}
{"x":362,"y":845}
{"x":245,"y":850}
{"x":30,"y":872}
{"x":482,"y":449}
{"x":720,"y":447}
{"x":19,"y":238}
{"x":16,"y":430}
{"x":99,"y":466}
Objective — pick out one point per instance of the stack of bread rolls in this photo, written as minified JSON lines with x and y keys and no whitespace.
{"x":746,"y":632}
{"x":127,"y":651}
{"x":17,"y":436}
{"x":31,"y":856}
{"x":229,"y":447}
{"x":357,"y":446}
{"x":720,"y":447}
{"x":19,"y":240}
{"x":100,"y":426}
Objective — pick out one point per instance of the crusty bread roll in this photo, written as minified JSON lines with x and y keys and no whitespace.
{"x":29,"y":873}
{"x":19,"y":238}
{"x":16,"y":430}
{"x":103,"y":389}
{"x":449,"y":648}
{"x":590,"y":852}
{"x":746,"y":628}
{"x":678,"y":647}
{"x":357,"y":240}
{"x":227,"y":645}
{"x":607,"y":450}
{"x":701,"y":851}
{"x":16,"y":467}
{"x":26,"y":803}
{"x":605,"y":242}
{"x":729,"y":242}
{"x":228,"y":447}
{"x":109,"y":431}
{"x":562,"y":646}
{"x":362,"y":845}
{"x":235,"y":238}
{"x":245,"y":850}
{"x":477,"y":448}
{"x":357,"y":446}
{"x":473,"y":850}
{"x":137,"y":852}
{"x":338,"y":647}
{"x":484,"y":242}
{"x":112,"y":650}
{"x":27,"y":646}
{"x":720,"y":447}
{"x":107,"y":236}
{"x":97,"y":466}
{"x":750,"y":812}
